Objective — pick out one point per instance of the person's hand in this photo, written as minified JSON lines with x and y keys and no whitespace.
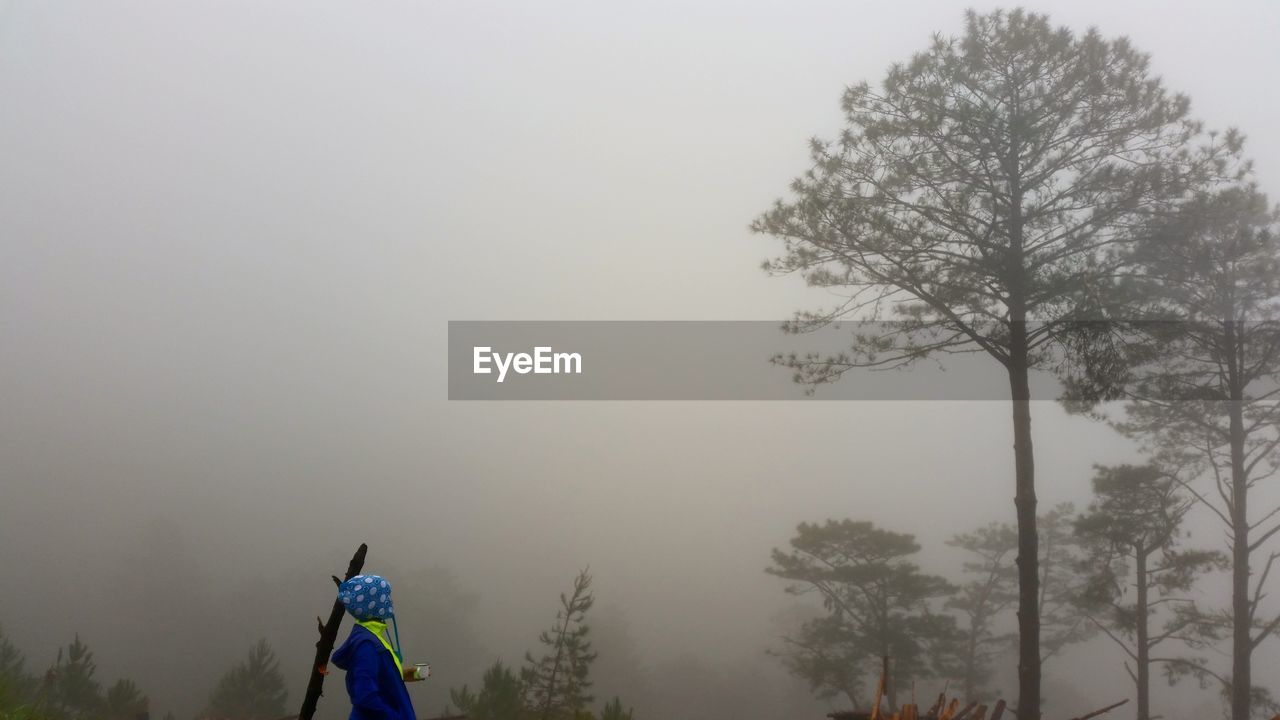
{"x":414,"y":673}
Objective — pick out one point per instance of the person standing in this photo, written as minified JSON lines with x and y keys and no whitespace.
{"x":371,"y":655}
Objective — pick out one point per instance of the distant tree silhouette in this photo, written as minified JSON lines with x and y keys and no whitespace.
{"x":124,"y":701}
{"x":501,"y":696}
{"x":72,"y":692}
{"x":1061,"y":582}
{"x":16,"y":684}
{"x":556,"y":684}
{"x":251,"y":690}
{"x":1139,"y":571}
{"x":821,"y":652}
{"x":613,"y":711}
{"x":619,"y":671}
{"x":992,"y":589}
{"x":877,"y":603}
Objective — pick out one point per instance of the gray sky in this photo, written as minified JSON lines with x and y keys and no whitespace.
{"x":233,"y":232}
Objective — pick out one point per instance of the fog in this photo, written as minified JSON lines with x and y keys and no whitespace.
{"x":232,"y":235}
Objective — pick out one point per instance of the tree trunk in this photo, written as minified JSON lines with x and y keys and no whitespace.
{"x":890,"y":683}
{"x":555,"y":667}
{"x":1144,"y":651}
{"x":971,"y":663}
{"x":1028,"y":539}
{"x":1024,"y":498}
{"x":1241,"y":642}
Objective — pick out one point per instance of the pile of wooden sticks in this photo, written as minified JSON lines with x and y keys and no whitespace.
{"x":943,"y":708}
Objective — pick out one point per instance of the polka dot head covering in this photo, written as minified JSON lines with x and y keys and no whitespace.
{"x":367,"y":597}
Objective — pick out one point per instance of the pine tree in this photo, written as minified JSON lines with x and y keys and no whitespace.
{"x":556,"y":684}
{"x":992,"y":590}
{"x":72,"y":692}
{"x":501,"y":696}
{"x":877,"y":603}
{"x":251,"y":690}
{"x":822,"y":652}
{"x":124,"y":701}
{"x":1061,"y":581}
{"x":16,"y":685}
{"x":1134,"y":531}
{"x":613,"y":711}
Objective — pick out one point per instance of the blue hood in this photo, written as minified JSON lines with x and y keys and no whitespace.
{"x":343,"y":656}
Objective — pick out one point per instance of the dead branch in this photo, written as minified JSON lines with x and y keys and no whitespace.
{"x":1106,"y":709}
{"x":324,"y":646}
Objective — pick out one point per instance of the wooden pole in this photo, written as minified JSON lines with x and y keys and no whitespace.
{"x":328,"y":635}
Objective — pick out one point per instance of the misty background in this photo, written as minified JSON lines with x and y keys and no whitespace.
{"x":231,"y":237}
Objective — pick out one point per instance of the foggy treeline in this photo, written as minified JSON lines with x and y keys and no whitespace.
{"x":439,"y":625}
{"x":220,"y":309}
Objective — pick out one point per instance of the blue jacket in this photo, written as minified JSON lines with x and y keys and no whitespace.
{"x":374,"y":683}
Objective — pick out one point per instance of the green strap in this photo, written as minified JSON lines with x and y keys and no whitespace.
{"x":378,"y":628}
